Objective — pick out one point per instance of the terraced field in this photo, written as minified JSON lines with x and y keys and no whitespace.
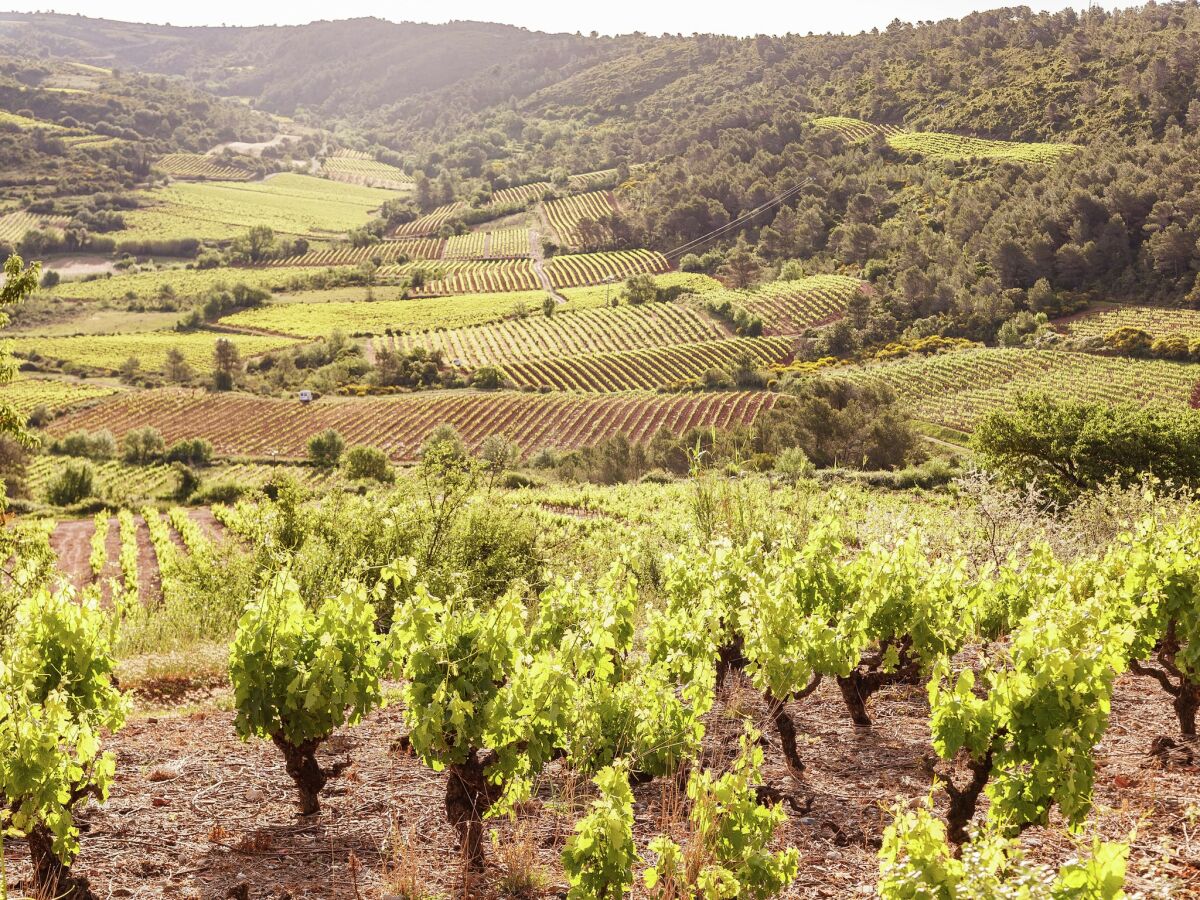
{"x":955,"y":389}
{"x":521,"y":193}
{"x":289,"y":204}
{"x":110,"y":351}
{"x":653,"y":368}
{"x":183,"y":283}
{"x":368,"y":172}
{"x":430,"y":222}
{"x":1157,"y":320}
{"x":568,"y":334}
{"x":566,"y":213}
{"x":503,"y":243}
{"x":312,"y":320}
{"x":13,"y":225}
{"x":471,"y":276}
{"x":243,"y":425}
{"x":27,"y":394}
{"x":789,"y":307}
{"x":198,"y":166}
{"x":384,"y":252}
{"x":938,"y":145}
{"x":594,"y":268}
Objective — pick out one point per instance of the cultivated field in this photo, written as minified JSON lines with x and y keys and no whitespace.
{"x":111,"y":351}
{"x":955,"y":389}
{"x":656,"y":368}
{"x":258,"y":427}
{"x":198,"y":166}
{"x":317,"y":319}
{"x":569,"y":333}
{"x":935,"y":145}
{"x":789,"y":307}
{"x":287,"y":203}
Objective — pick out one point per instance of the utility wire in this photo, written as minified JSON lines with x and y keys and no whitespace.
{"x":775,"y":201}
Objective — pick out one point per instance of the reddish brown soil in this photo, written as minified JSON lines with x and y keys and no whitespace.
{"x":207,"y":521}
{"x":71,"y":541}
{"x":195,"y":812}
{"x":149,"y":578}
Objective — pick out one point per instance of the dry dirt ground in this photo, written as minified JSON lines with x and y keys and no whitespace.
{"x":196,"y":813}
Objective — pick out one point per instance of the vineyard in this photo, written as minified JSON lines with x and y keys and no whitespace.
{"x":503,"y":243}
{"x":521,"y":194}
{"x":470,"y":276}
{"x":955,"y":389}
{"x":13,"y":225}
{"x":382,"y":253}
{"x":568,"y":334}
{"x":935,"y":145}
{"x":854,"y":129}
{"x":185,"y":283}
{"x":317,"y":319}
{"x":789,"y":307}
{"x":287,"y":203}
{"x":27,"y":394}
{"x":198,"y":166}
{"x":566,"y":214}
{"x":367,"y":172}
{"x":594,"y":268}
{"x":111,"y":351}
{"x":430,"y":222}
{"x":1157,"y":320}
{"x":258,"y":427}
{"x":734,"y":675}
{"x":655,"y":368}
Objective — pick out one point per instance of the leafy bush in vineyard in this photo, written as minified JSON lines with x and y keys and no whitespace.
{"x":57,"y":697}
{"x":1029,"y":729}
{"x":917,"y":862}
{"x":599,"y":857}
{"x":727,"y":852}
{"x":299,"y":674}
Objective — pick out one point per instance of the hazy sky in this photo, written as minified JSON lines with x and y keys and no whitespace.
{"x":606,"y":16}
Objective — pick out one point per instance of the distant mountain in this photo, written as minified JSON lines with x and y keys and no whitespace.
{"x":334,"y":68}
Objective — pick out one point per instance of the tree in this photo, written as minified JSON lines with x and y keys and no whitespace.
{"x":639,"y":289}
{"x":1070,"y":446}
{"x":227,"y":364}
{"x":142,"y":446}
{"x":742,"y":265}
{"x":176,"y":367}
{"x":325,"y":449}
{"x":367,"y":463}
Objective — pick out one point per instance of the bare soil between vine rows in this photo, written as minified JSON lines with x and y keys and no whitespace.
{"x":197,"y":813}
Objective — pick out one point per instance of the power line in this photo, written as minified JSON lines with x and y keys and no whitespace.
{"x":775,"y":201}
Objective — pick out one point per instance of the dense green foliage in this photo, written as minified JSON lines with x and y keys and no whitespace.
{"x":1071,"y":446}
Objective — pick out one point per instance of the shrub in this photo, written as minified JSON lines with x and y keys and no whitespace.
{"x":192,"y":452}
{"x":367,"y":463}
{"x":98,"y":445}
{"x":141,"y":446}
{"x":325,"y":449}
{"x":72,"y":484}
{"x":488,"y":378}
{"x":793,"y":463}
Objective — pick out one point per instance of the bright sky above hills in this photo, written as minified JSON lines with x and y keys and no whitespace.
{"x":608,"y":17}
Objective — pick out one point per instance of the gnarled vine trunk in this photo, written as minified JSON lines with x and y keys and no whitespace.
{"x":51,"y":877}
{"x":468,"y":798}
{"x":964,"y":800}
{"x":301,"y":764}
{"x":777,"y":709}
{"x":861,"y":684}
